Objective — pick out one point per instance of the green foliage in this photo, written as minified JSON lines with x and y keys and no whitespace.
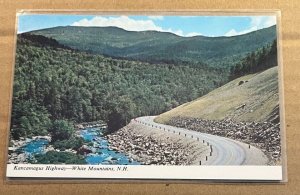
{"x":53,"y":157}
{"x":115,"y":121}
{"x":81,"y":87}
{"x":61,"y":130}
{"x":72,"y":143}
{"x":256,"y":61}
{"x":122,"y":111}
{"x":160,"y":47}
{"x":29,"y":119}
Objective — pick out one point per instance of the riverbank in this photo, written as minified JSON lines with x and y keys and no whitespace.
{"x":24,"y":149}
{"x":15,"y":155}
{"x":151,"y":146}
{"x":93,"y":150}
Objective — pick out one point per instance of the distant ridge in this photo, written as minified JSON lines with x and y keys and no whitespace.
{"x":160,"y":47}
{"x":39,"y":40}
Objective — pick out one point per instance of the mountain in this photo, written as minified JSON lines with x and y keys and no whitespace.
{"x":249,"y":98}
{"x":160,"y":47}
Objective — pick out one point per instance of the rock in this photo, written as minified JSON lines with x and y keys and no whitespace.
{"x":110,"y":161}
{"x":150,"y":152}
{"x":153,"y":162}
{"x":21,"y":158}
{"x":113,"y":148}
{"x":79,"y":126}
{"x":48,"y":138}
{"x":138,"y":148}
{"x":49,"y":148}
{"x":108,"y":158}
{"x":12,"y":148}
{"x":83,"y":150}
{"x":131,"y":145}
{"x":137,"y":152}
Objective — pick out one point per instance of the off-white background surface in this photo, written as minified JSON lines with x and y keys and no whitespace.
{"x":290,"y":11}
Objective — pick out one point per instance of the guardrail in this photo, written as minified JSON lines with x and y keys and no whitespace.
{"x":179,"y":133}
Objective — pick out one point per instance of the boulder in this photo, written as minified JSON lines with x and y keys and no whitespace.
{"x":167,"y":153}
{"x":83,"y":150}
{"x":138,"y":148}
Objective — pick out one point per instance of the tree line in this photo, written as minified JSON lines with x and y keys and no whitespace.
{"x":262,"y":59}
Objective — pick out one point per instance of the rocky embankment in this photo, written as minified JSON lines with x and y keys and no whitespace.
{"x":157,"y":147}
{"x":15,"y":155}
{"x":265,"y":136}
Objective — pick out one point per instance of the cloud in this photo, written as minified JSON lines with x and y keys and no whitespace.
{"x":256,"y":23}
{"x":192,"y":34}
{"x":263,"y":21}
{"x":156,"y":17}
{"x":233,"y":32}
{"x":129,"y":24}
{"x":122,"y":22}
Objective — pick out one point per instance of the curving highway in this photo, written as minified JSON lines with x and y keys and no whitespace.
{"x":223,"y":151}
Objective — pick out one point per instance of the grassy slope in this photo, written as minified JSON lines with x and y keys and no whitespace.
{"x":157,"y":47}
{"x":260,"y":94}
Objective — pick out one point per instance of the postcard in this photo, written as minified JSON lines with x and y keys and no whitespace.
{"x":127,"y":96}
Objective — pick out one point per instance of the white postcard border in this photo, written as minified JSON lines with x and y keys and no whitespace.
{"x":272,"y":173}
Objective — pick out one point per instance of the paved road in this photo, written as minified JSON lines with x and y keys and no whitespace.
{"x":224,"y":151}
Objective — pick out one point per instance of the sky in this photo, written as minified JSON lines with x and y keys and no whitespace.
{"x":187,"y":26}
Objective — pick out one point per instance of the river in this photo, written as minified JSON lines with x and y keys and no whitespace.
{"x":101,"y":154}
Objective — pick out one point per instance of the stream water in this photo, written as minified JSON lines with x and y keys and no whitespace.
{"x":35,"y":146}
{"x":101,"y":154}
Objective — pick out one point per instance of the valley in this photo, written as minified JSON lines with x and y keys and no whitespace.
{"x":220,"y":91}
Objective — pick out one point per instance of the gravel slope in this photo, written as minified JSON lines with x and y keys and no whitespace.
{"x":225,"y":151}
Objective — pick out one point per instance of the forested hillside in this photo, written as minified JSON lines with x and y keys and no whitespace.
{"x":161,"y":47}
{"x":55,"y":83}
{"x":256,"y":61}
